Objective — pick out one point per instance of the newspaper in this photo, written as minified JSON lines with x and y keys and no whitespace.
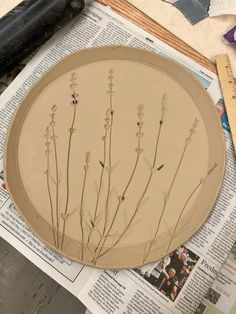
{"x":175,"y":284}
{"x":221,"y":297}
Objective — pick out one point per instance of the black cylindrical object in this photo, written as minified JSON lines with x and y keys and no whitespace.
{"x":30,"y":24}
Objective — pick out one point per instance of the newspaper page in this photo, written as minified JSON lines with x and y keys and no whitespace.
{"x":178,"y":282}
{"x":221,"y":297}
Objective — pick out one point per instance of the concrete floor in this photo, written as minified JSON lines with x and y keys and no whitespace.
{"x":24,"y":289}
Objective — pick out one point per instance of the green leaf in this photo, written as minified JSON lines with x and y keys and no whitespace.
{"x":159,"y":168}
{"x":101,"y":163}
{"x":54,"y":108}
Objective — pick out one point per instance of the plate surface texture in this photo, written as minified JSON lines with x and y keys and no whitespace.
{"x":115,"y":157}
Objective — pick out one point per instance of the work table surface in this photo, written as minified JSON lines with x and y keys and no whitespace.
{"x":24,"y":289}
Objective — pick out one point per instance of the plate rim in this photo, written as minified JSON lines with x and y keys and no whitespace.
{"x":112,"y":48}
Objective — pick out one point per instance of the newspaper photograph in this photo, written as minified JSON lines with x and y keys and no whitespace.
{"x":177,"y":283}
{"x":171,"y":272}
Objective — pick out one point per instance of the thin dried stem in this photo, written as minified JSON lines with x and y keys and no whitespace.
{"x":86,"y":168}
{"x":47,"y":172}
{"x":198,"y":185}
{"x":152,"y":171}
{"x":53,"y":138}
{"x":122,"y":197}
{"x":182,"y":211}
{"x":167,"y":196}
{"x":103,"y":163}
{"x":110,"y":93}
{"x":74,"y":103}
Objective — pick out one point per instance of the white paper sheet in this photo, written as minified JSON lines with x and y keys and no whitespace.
{"x":205,"y":37}
{"x":220,"y":7}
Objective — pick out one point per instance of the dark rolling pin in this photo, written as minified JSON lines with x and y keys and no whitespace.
{"x":30,"y":24}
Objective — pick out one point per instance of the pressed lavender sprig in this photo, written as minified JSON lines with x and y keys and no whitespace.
{"x":110,"y":93}
{"x":122,"y":197}
{"x":167,"y":195}
{"x":57,"y":181}
{"x":153,"y":169}
{"x":109,"y":167}
{"x":86,"y":168}
{"x":74,"y":103}
{"x":107,"y":126}
{"x":198,"y":185}
{"x":47,"y":173}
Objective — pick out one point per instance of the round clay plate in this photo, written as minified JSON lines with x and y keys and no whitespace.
{"x":115,"y":157}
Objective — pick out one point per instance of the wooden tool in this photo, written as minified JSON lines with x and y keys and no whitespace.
{"x":228,"y":87}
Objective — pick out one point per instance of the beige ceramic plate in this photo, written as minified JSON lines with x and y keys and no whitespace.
{"x":115,"y":157}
